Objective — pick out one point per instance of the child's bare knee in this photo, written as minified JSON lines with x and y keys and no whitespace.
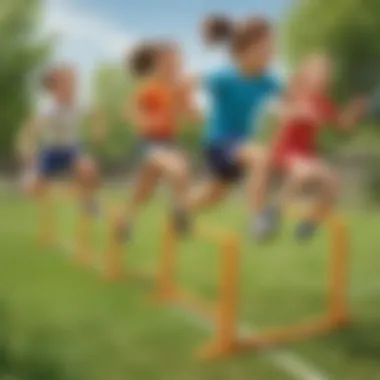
{"x":332,"y":183}
{"x":178,"y":169}
{"x":87,"y":172}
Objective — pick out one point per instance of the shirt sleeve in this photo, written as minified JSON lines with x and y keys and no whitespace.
{"x":213,"y":82}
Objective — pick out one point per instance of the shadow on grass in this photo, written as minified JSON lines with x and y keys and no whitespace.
{"x":360,"y":340}
{"x":37,"y":359}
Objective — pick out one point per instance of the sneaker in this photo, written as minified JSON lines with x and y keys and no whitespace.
{"x":305,"y":229}
{"x":123,"y":232}
{"x":266,"y":224}
{"x":181,"y":220}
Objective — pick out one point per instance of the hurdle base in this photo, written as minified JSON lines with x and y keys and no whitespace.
{"x":292,"y":334}
{"x":185,"y":300}
{"x":46,"y":241}
{"x":82,"y":259}
{"x":216,"y":350}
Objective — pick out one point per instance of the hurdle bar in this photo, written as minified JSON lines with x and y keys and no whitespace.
{"x":223,"y":313}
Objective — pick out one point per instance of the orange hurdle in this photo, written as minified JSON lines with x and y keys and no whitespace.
{"x":114,"y":269}
{"x":224,"y":313}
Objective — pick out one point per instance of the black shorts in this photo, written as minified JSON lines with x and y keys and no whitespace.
{"x":222,"y":163}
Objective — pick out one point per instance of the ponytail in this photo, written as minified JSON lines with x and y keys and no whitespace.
{"x":217,"y":29}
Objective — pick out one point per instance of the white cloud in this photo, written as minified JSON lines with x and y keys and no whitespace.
{"x":83,"y":39}
{"x":94,"y":32}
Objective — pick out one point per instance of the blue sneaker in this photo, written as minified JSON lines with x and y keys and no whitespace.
{"x":305,"y":229}
{"x":266,"y":224}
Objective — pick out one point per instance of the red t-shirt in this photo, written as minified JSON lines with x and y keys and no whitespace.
{"x":298,"y":136}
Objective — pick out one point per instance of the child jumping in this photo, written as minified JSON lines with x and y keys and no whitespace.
{"x":50,"y":141}
{"x":158,"y":104}
{"x":238,"y":93}
{"x":306,"y":108}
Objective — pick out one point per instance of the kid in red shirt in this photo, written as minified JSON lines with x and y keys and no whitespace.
{"x":306,"y":109}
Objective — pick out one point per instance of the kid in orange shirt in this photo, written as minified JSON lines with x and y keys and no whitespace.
{"x":155,"y":110}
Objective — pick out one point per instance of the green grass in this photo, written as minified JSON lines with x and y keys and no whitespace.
{"x":112,"y":332}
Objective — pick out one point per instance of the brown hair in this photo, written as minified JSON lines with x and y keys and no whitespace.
{"x":237,"y":35}
{"x":144,"y":56}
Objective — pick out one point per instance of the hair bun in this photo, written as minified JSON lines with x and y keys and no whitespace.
{"x":217,"y":29}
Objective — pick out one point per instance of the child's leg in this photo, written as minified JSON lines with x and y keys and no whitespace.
{"x":328,"y":193}
{"x":301,"y":173}
{"x":142,"y":188}
{"x":173,"y":166}
{"x":38,"y":187}
{"x":88,"y":181}
{"x":255,"y":159}
{"x":207,"y":194}
{"x":264,"y":220}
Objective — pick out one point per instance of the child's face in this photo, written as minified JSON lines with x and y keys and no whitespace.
{"x":259,"y":55}
{"x":317,"y":73}
{"x":169,"y":63}
{"x":64,"y":83}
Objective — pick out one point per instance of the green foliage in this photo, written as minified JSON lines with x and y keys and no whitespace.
{"x":110,"y":88}
{"x":373,"y":183}
{"x":21,"y":55}
{"x":348,"y":30}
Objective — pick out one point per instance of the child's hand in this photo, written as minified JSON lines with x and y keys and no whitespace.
{"x":359,"y":105}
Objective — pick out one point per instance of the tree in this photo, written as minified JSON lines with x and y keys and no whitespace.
{"x":111,"y":85}
{"x":21,"y":55}
{"x":348,"y":30}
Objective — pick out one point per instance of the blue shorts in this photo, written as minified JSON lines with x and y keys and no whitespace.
{"x":222,"y":163}
{"x":57,"y":160}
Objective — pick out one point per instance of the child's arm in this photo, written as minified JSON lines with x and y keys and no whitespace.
{"x":286,"y":109}
{"x":26,"y":140}
{"x":351,"y":114}
{"x":188,"y":104}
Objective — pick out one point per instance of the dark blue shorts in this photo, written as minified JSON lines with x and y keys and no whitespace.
{"x":56,"y":161}
{"x":222,"y":163}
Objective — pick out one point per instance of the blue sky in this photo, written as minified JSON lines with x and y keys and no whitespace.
{"x":92,"y":31}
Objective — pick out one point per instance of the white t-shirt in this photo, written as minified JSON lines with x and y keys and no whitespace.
{"x":60,"y":124}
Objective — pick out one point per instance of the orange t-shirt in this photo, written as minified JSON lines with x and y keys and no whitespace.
{"x":158,"y":101}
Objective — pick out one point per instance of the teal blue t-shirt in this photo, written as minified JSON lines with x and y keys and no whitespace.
{"x":236,"y":103}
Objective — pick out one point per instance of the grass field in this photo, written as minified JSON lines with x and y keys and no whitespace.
{"x":112,"y":332}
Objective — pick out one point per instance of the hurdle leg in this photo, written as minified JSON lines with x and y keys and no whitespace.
{"x":165,"y":282}
{"x":225,"y":341}
{"x":82,"y":253}
{"x":337,"y":296}
{"x":113,"y":265}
